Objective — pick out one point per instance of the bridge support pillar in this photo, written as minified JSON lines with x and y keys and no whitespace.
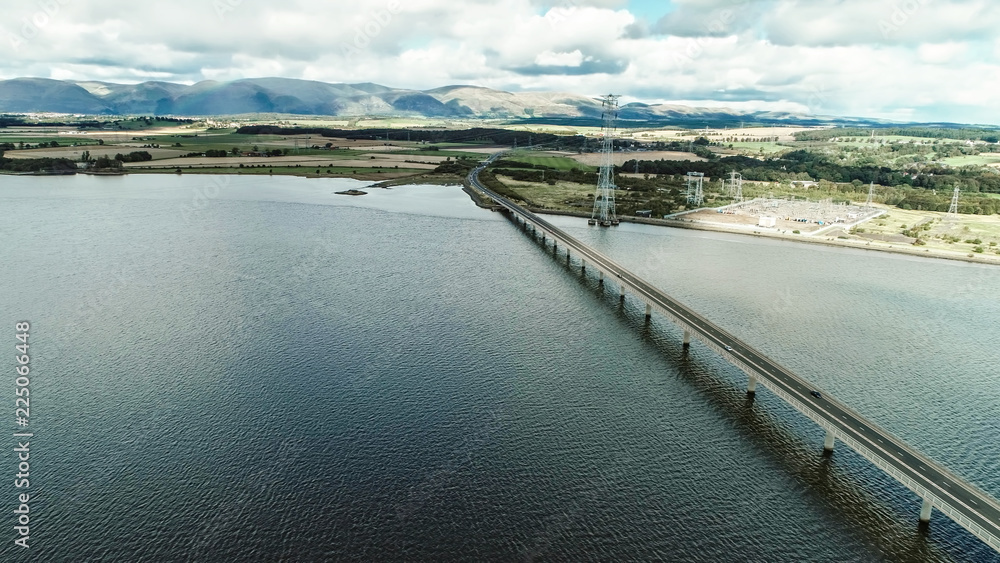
{"x":584,"y":264}
{"x":687,"y":339}
{"x":752,"y":386}
{"x":649,"y":312}
{"x":828,"y":443}
{"x":621,"y":288}
{"x":925,"y":511}
{"x":600,"y":276}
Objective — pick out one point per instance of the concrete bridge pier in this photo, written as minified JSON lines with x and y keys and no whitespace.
{"x":600,"y":276}
{"x":828,"y":443}
{"x":752,"y":386}
{"x":649,"y":312}
{"x":621,"y":288}
{"x":925,"y":512}
{"x":583,"y":263}
{"x":687,"y":339}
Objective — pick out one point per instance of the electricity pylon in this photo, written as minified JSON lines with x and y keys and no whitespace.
{"x":696,"y":188}
{"x":604,"y":199}
{"x":736,"y":187}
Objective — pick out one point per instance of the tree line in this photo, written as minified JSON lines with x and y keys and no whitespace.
{"x":957,"y":133}
{"x":806,"y":165}
{"x":474,"y":135}
{"x":52,"y":165}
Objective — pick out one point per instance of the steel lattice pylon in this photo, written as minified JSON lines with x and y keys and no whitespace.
{"x":604,"y":199}
{"x":953,"y":210}
{"x":696,"y":188}
{"x":736,"y":187}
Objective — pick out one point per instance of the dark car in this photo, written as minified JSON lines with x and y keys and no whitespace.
{"x":816,"y":394}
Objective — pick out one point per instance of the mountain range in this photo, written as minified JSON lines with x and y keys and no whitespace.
{"x":304,"y":97}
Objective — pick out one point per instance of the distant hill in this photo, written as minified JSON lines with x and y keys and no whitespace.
{"x":305,"y":97}
{"x":40,"y":94}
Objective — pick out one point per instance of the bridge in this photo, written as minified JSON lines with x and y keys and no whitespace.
{"x":938,"y":487}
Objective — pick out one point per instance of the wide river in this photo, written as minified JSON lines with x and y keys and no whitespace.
{"x":242,"y":368}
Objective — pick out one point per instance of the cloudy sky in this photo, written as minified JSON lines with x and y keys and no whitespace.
{"x":924,"y":60}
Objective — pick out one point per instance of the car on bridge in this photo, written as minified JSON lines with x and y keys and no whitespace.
{"x":816,"y":394}
{"x":729,"y":348}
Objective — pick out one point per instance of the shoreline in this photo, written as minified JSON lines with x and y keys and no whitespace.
{"x":839,"y":243}
{"x":672,"y":223}
{"x":693,"y":225}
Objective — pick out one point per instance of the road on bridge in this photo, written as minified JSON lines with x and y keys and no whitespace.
{"x":973,"y":504}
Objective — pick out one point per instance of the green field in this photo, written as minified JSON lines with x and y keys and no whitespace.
{"x":566,"y":196}
{"x":554,"y":162}
{"x":443,"y":154}
{"x":63,"y":141}
{"x":757,"y":148}
{"x":972,"y":160}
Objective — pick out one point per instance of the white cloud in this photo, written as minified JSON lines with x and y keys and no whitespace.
{"x":548,"y":58}
{"x":942,"y":53}
{"x":929,"y":60}
{"x":779,"y":106}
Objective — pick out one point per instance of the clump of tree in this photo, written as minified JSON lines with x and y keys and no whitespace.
{"x":106,"y":163}
{"x":38,"y":165}
{"x":136,"y":156}
{"x":460,"y":167}
{"x":8,"y":120}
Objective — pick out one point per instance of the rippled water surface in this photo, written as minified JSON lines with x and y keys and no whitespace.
{"x":256,"y":369}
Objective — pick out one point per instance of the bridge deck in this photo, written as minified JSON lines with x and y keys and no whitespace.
{"x":961,"y":501}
